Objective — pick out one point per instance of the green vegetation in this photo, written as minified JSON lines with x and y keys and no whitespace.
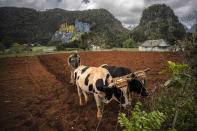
{"x":40,"y":48}
{"x":24,"y":50}
{"x":23,"y":25}
{"x":188,"y":46}
{"x":178,"y":99}
{"x":17,"y":48}
{"x":2,"y":48}
{"x":159,"y":22}
{"x":85,"y":43}
{"x":194,"y":27}
{"x":140,"y":120}
{"x":64,"y":46}
{"x":28,"y":26}
{"x":130,"y":43}
{"x":54,"y":42}
{"x":125,"y":49}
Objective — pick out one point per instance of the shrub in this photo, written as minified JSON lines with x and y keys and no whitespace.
{"x":84,"y":41}
{"x":190,"y":54}
{"x":140,"y":120}
{"x":2,"y":47}
{"x":70,"y":49}
{"x":54,"y":43}
{"x":17,"y":48}
{"x":177,"y":101}
{"x":83,"y":45}
{"x":72,"y":44}
{"x":129,"y":43}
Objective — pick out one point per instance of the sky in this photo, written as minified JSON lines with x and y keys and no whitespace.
{"x":127,"y":11}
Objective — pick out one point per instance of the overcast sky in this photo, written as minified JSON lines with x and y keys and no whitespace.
{"x":127,"y":11}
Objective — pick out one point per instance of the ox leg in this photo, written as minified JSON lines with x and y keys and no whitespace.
{"x":79,"y":93}
{"x":72,"y":77}
{"x":86,"y":97}
{"x":98,"y":104}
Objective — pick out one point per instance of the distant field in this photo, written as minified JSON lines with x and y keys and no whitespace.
{"x":118,"y":49}
{"x":39,"y":51}
{"x":40,"y":48}
{"x":35,"y":51}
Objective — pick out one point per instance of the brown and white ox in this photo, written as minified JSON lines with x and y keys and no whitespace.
{"x":99,"y":81}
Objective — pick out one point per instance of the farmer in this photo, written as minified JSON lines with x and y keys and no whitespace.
{"x":73,"y":63}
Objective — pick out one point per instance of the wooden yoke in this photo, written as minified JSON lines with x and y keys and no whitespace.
{"x":122,"y":81}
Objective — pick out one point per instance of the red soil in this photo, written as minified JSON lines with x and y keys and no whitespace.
{"x":35,"y":94}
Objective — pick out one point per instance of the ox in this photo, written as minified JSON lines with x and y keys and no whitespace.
{"x":134,"y":85}
{"x":116,"y":71}
{"x":99,"y":81}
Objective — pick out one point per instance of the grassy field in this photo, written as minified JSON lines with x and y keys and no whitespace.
{"x":126,"y":49}
{"x":39,"y":51}
{"x":35,"y":51}
{"x":40,"y":48}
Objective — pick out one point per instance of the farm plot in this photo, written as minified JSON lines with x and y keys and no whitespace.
{"x":35,"y":94}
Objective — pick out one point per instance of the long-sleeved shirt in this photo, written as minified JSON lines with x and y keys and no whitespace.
{"x":74,"y":62}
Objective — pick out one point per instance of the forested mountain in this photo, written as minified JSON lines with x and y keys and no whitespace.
{"x":159,"y":22}
{"x":26,"y":25}
{"x":193,"y":28}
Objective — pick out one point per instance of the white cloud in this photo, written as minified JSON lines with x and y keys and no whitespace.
{"x":124,"y":10}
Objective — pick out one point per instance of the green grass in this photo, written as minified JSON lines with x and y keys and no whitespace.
{"x":126,"y":49}
{"x":119,"y":49}
{"x":40,"y":48}
{"x":35,"y":51}
{"x":39,"y":51}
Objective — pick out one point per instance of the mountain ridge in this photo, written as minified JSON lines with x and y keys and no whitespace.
{"x":158,"y":21}
{"x":26,"y":25}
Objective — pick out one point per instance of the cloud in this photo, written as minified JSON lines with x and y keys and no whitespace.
{"x":85,"y":1}
{"x":127,"y":11}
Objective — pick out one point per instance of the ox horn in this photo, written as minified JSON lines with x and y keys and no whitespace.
{"x":142,"y":71}
{"x":146,"y":70}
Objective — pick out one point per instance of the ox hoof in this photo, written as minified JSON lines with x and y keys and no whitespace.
{"x":80,"y":103}
{"x":99,"y":116}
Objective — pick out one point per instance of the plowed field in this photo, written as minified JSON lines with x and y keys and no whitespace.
{"x":35,"y":94}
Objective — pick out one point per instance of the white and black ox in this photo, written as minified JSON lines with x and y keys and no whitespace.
{"x":99,"y":81}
